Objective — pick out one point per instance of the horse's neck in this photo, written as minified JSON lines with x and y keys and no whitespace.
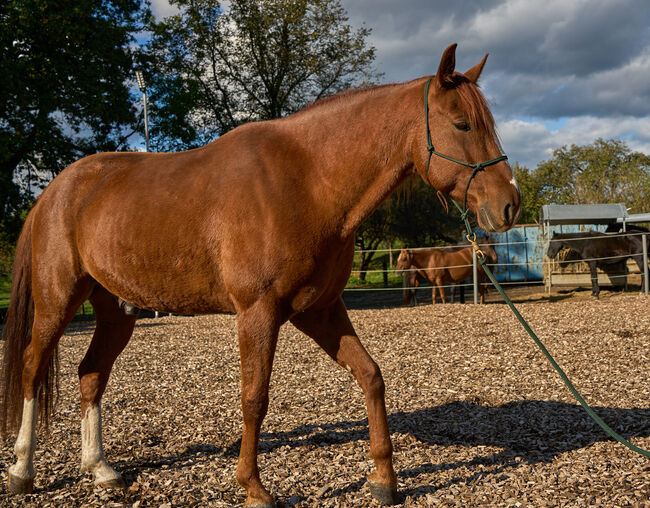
{"x":422,"y":259}
{"x":360,"y":148}
{"x":460,"y":256}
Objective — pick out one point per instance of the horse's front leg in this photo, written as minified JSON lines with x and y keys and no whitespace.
{"x":332,"y":330}
{"x":258,"y":328}
{"x":595,"y":289}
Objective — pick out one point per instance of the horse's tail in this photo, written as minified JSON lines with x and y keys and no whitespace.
{"x":17,"y":334}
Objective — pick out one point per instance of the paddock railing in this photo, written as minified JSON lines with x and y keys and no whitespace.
{"x":553,"y":270}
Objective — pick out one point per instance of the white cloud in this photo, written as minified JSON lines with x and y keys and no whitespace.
{"x":530,"y":142}
{"x":162,"y":9}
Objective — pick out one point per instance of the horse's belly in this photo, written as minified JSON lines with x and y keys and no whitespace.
{"x":175,"y":290}
{"x":155,"y":272}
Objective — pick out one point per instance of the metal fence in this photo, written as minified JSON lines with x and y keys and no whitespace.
{"x":521,"y":261}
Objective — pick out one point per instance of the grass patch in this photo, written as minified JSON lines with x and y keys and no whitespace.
{"x":5,"y":291}
{"x":5,"y":296}
{"x":374,"y":278}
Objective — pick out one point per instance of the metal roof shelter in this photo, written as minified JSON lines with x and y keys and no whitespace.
{"x":559,"y":215}
{"x":635,"y":217}
{"x":583,"y":214}
{"x":609,"y":213}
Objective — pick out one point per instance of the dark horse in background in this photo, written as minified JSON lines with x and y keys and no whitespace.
{"x":261,"y":222}
{"x":593,"y":246}
{"x":443,"y":267}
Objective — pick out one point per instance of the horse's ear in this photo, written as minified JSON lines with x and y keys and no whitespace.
{"x":475,"y":72}
{"x":447,"y":66}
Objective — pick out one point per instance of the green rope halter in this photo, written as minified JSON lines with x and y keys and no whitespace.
{"x":479,"y":166}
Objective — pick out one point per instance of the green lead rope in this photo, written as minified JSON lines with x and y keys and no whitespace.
{"x":471,"y":236}
{"x":548,"y":356}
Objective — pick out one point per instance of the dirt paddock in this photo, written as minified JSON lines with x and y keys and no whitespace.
{"x":477,"y":415}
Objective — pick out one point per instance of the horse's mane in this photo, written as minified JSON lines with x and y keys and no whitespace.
{"x":479,"y":114}
{"x":344,"y":94}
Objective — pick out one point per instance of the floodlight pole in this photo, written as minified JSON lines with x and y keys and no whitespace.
{"x":143,"y":88}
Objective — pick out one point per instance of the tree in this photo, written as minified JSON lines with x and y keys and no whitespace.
{"x":606,"y":171}
{"x":413,"y":216}
{"x":372,"y":232}
{"x":260,"y":59}
{"x":65,"y":93}
{"x":418,"y":219}
{"x":529,"y":188}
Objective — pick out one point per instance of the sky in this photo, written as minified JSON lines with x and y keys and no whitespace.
{"x":560,"y":72}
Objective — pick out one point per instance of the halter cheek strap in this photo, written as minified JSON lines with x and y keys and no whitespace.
{"x":479,"y":166}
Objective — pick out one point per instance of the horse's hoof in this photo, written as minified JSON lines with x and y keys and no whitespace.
{"x":17,"y":485}
{"x":385,"y":494}
{"x":114,"y":484}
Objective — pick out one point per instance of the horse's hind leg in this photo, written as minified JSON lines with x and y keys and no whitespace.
{"x":49,"y":324}
{"x":332,"y":330}
{"x":113,"y":331}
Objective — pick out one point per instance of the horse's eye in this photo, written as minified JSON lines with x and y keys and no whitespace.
{"x":462,"y":125}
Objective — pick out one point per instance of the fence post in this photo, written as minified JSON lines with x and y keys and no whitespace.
{"x":384,"y":267}
{"x":475,"y":276}
{"x":644,"y":241}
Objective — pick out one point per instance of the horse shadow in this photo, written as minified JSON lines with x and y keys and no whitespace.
{"x":529,"y":431}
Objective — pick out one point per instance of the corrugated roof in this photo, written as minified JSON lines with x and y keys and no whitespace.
{"x":583,"y":214}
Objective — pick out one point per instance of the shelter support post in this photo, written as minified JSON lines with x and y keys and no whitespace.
{"x":644,"y":241}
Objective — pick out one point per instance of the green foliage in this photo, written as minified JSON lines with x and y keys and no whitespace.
{"x":65,"y":69}
{"x":412,"y":217}
{"x":606,"y":171}
{"x":417,"y":217}
{"x":212,"y":70}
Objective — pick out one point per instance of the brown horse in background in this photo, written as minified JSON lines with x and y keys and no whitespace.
{"x":444,"y":266}
{"x":260,"y":222}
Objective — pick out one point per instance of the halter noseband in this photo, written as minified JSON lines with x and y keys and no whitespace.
{"x":479,"y":166}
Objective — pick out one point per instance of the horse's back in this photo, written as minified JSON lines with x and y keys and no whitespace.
{"x":158,"y":229}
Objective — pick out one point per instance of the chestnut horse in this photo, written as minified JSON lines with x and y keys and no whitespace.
{"x":443,"y":267}
{"x":260,"y":222}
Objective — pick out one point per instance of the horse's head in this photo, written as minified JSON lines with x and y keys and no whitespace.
{"x":403,"y":262}
{"x":554,"y":246}
{"x":462,"y":128}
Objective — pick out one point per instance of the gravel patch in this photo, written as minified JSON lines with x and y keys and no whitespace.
{"x":477,"y":415}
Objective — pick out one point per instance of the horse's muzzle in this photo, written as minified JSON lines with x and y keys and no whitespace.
{"x":501,"y":218}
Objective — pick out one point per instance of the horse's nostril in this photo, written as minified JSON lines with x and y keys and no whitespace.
{"x":507,"y":213}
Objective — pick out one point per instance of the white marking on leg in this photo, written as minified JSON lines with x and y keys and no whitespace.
{"x":92,"y":451}
{"x":26,"y":443}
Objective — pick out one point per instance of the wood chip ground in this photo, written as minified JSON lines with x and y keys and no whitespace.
{"x":477,"y":415}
